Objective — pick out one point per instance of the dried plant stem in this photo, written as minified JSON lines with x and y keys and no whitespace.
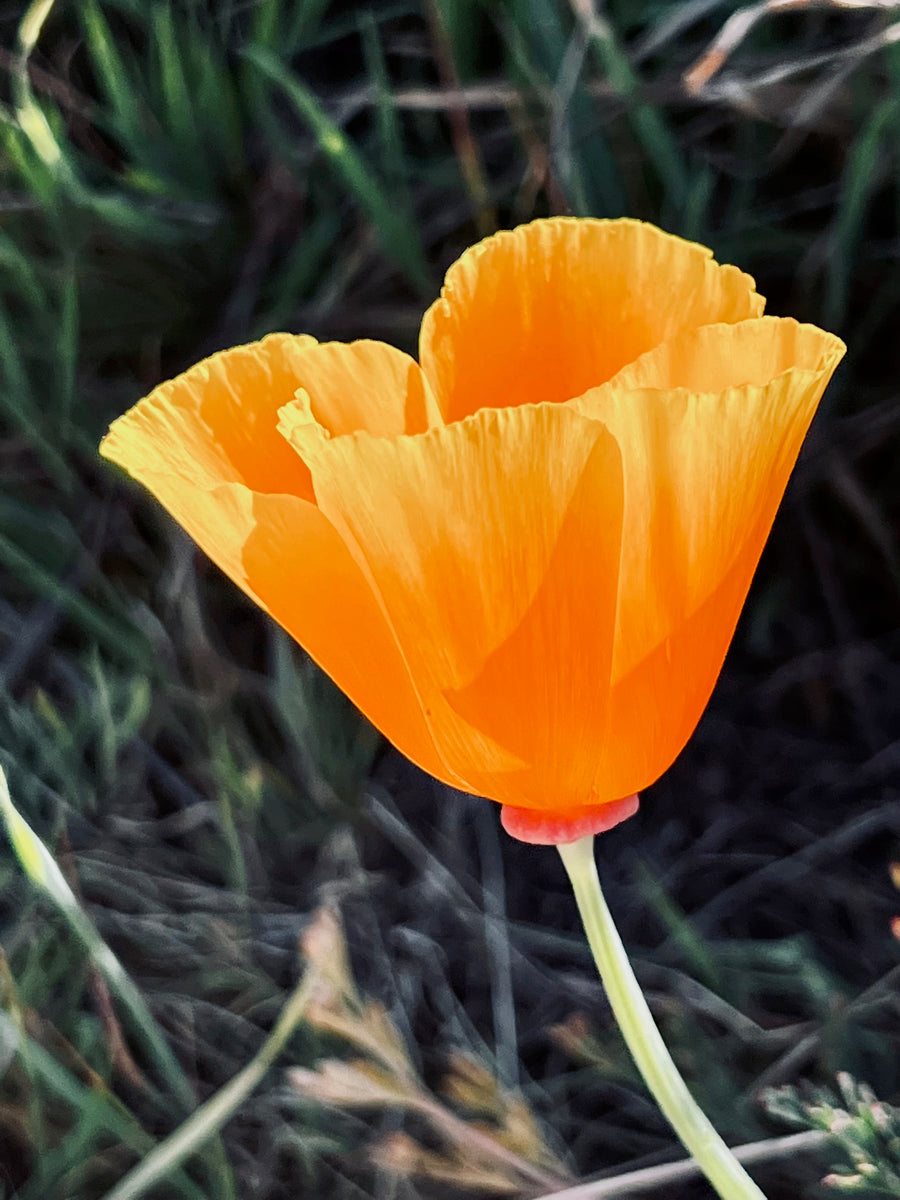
{"x":211,"y":1116}
{"x":647,"y":1179}
{"x":486,"y":1147}
{"x":465,"y":145}
{"x":743,"y":20}
{"x":643,"y":1038}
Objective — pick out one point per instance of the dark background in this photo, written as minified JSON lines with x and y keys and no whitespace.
{"x":179,"y":176}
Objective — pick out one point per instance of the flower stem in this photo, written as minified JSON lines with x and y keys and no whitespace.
{"x":641,"y":1035}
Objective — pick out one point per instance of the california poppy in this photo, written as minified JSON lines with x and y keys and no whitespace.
{"x":523,"y":557}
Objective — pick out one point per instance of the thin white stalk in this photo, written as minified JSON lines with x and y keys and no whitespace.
{"x":648,"y":1179}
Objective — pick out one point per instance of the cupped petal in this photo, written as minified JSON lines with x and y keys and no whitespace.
{"x":704,"y":475}
{"x":548,"y":310}
{"x":493,"y":545}
{"x":715,"y":357}
{"x":365,"y":385}
{"x":206,"y":446}
{"x":218,"y":420}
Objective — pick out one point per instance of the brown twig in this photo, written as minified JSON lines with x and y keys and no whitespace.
{"x":464,"y":143}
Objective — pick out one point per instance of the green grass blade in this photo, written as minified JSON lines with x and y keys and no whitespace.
{"x":177,"y":101}
{"x":29,"y":114}
{"x":861,"y":176}
{"x":99,"y":1111}
{"x":41,"y":868}
{"x":116,"y":75}
{"x":93,"y":620}
{"x":212,"y":1115}
{"x":398,"y":235}
{"x":650,"y":126}
{"x":390,"y":135}
{"x":696,"y":954}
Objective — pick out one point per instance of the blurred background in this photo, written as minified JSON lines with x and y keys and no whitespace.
{"x":181,"y":175}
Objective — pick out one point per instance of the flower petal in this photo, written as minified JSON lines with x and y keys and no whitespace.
{"x":704,"y":475}
{"x":206,"y":445}
{"x":365,"y":385}
{"x":715,"y":357}
{"x":493,"y":545}
{"x":228,"y":429}
{"x":544,"y":312}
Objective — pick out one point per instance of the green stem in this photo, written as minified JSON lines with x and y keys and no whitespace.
{"x":211,"y":1116}
{"x":641,"y":1035}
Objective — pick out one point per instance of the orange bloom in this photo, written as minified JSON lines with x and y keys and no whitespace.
{"x":524,"y":556}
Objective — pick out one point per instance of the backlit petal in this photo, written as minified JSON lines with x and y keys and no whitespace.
{"x":493,"y":545}
{"x":546,"y":311}
{"x":365,"y":385}
{"x":218,"y":420}
{"x":206,"y":445}
{"x":715,"y":357}
{"x":704,"y":475}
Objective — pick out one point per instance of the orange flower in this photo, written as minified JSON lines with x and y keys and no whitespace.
{"x":524,"y":558}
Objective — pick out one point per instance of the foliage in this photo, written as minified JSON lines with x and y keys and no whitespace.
{"x":864,"y":1132}
{"x":181,"y":175}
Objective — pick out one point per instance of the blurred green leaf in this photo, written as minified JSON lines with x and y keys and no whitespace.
{"x":399,"y":239}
